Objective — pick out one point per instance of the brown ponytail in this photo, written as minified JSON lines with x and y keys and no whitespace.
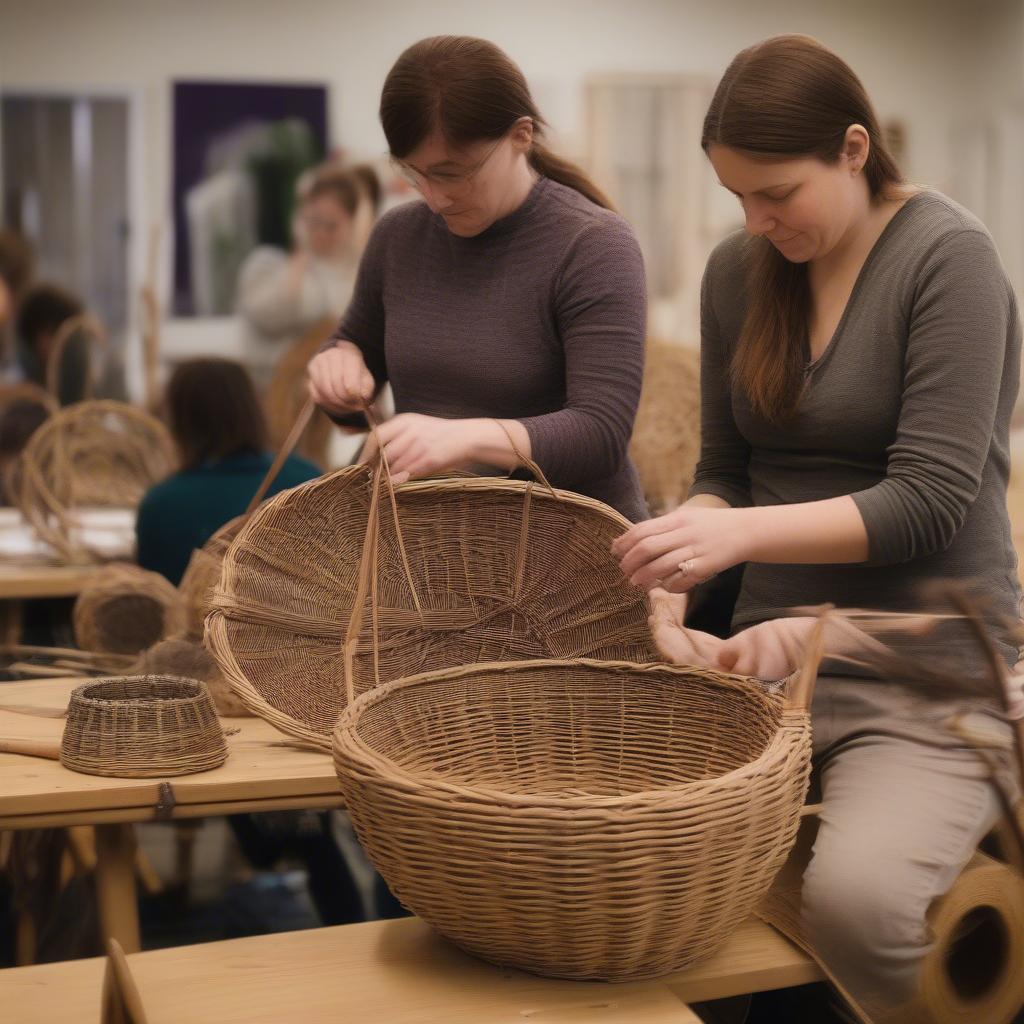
{"x":788,"y":96}
{"x":471,"y":90}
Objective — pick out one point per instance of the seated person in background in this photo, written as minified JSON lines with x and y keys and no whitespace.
{"x":18,"y":422}
{"x":40,"y":315}
{"x":17,"y":264}
{"x":218,"y":425}
{"x":282,"y":295}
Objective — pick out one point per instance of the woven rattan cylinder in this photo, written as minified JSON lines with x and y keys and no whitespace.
{"x":91,"y":454}
{"x":482,"y":569}
{"x":124,"y":609}
{"x":186,"y":657}
{"x":579,"y":819}
{"x":142,"y":727}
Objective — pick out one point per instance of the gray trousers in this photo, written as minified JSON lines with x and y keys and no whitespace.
{"x":900,"y":820}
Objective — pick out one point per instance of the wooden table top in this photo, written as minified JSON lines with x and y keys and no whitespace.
{"x":389,"y":972}
{"x":23,"y":580}
{"x":262,"y":765}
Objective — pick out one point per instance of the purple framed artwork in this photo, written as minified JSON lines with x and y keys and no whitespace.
{"x":239,"y":149}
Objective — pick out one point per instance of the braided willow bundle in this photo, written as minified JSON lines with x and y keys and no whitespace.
{"x":202,"y":574}
{"x":142,"y":727}
{"x":189,"y":659}
{"x":666,"y":437}
{"x":92,"y":454}
{"x":333,"y":587}
{"x":124,"y":609}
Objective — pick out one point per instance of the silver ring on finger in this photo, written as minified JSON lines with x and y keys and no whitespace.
{"x":686,"y":567}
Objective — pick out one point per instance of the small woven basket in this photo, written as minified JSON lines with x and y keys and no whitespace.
{"x":124,"y":609}
{"x":142,"y":727}
{"x":579,"y":819}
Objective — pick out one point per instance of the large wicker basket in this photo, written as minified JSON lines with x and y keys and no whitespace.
{"x":322,"y":597}
{"x":580,"y":819}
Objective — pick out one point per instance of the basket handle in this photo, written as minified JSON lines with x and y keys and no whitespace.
{"x":62,"y":339}
{"x":290,"y":442}
{"x":526,"y":462}
{"x":800,"y":688}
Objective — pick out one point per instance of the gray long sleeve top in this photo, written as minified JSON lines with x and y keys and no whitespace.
{"x":540,"y":318}
{"x":907,"y":410}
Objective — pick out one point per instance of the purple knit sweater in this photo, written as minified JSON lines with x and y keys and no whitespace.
{"x":539,"y":318}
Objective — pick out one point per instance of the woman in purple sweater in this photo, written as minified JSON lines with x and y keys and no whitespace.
{"x":507,"y":308}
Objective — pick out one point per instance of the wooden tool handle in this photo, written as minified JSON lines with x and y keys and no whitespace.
{"x":50,"y":749}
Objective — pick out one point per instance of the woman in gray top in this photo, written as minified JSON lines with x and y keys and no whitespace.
{"x":508,"y":306}
{"x":860,"y":361}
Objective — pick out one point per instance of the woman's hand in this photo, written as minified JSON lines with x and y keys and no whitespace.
{"x":685,"y":547}
{"x":339,"y":381}
{"x":769,"y":650}
{"x":680,"y":645}
{"x":419,"y":446}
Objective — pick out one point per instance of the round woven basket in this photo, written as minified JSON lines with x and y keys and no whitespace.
{"x":124,"y":609}
{"x":578,"y":819}
{"x":92,"y":454}
{"x":322,"y":596}
{"x":202,"y":574}
{"x":142,"y":727}
{"x":188,"y":658}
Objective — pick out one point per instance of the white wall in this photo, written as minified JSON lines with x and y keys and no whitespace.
{"x":934,"y":64}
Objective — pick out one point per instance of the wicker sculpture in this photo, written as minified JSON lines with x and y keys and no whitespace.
{"x":202,"y":574}
{"x":579,"y":819}
{"x":666,"y":438}
{"x":142,"y":727}
{"x":322,"y":597}
{"x":124,"y":609}
{"x":104,"y":454}
{"x":189,"y":659}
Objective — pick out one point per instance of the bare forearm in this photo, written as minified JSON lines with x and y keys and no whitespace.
{"x":490,"y":442}
{"x":810,"y":533}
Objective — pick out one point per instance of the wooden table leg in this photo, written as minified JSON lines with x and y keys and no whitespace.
{"x":115,"y":885}
{"x":10,"y":621}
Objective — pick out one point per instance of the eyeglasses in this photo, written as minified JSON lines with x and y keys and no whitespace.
{"x":451,"y":183}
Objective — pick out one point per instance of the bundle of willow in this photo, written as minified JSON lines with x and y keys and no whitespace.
{"x":579,"y":819}
{"x":187,"y":658}
{"x":124,"y":609}
{"x":142,"y":727}
{"x":332,"y":588}
{"x":93,"y":454}
{"x":202,"y":574}
{"x":666,"y":438}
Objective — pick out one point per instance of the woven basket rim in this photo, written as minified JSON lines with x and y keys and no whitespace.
{"x":216,"y":622}
{"x":81,"y":695}
{"x":791,"y":721}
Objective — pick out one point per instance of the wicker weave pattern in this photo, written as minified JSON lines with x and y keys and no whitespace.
{"x":578,"y":819}
{"x":492,"y":570}
{"x":101,"y":454}
{"x":142,"y":727}
{"x":202,"y":574}
{"x":125,"y":609}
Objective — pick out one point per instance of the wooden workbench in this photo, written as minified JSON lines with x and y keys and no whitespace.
{"x":264,"y":771}
{"x":389,"y":972}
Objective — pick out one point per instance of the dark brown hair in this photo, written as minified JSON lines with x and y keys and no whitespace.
{"x":341,"y":185}
{"x":17,"y":262}
{"x":213,"y":411}
{"x":471,"y":90}
{"x":788,"y":96}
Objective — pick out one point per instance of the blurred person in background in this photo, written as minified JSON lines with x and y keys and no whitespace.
{"x":507,"y":310}
{"x":17,"y":264}
{"x":219,"y":429}
{"x":860,"y":359}
{"x":283,"y":295}
{"x":41,"y":313}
